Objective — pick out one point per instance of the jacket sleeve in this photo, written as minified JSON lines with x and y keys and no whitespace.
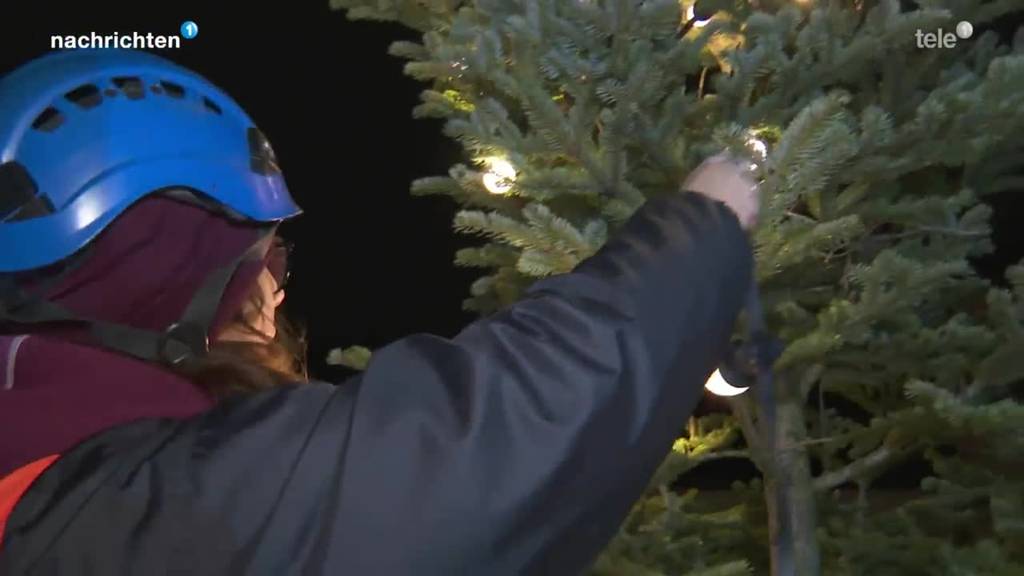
{"x":519,"y":446}
{"x":516,"y":447}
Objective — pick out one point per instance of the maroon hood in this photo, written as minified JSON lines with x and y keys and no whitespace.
{"x":56,"y":391}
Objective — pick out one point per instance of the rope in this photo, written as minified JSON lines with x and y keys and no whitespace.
{"x":765,"y":349}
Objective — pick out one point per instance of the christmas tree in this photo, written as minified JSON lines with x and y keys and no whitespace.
{"x":878,"y":131}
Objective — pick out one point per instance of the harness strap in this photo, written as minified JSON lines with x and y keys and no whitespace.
{"x":180,"y":342}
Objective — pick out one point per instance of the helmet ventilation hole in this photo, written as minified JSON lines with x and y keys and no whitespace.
{"x":131,"y":86}
{"x":172,"y":89}
{"x":85,"y":96}
{"x":210,"y":105}
{"x":262,"y":159}
{"x":48,"y":120}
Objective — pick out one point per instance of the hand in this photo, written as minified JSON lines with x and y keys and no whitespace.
{"x":729,"y":181}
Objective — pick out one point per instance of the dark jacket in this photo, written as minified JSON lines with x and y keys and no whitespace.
{"x":516,"y":447}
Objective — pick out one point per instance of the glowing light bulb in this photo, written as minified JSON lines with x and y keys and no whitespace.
{"x":500,"y":176}
{"x":718,"y":386}
{"x":759,"y":147}
{"x":696,"y":23}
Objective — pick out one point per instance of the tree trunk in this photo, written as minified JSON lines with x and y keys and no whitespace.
{"x":790,"y":496}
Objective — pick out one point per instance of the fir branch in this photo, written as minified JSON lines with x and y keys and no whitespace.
{"x":408,"y":50}
{"x":677,"y":464}
{"x":801,"y":150}
{"x":499,"y":226}
{"x":541,"y":263}
{"x":489,"y":256}
{"x":722,"y":455}
{"x":563,"y":234}
{"x":354,"y":357}
{"x":734,"y":568}
{"x":548,"y":184}
{"x":949,"y":499}
{"x":993,"y":10}
{"x":811,"y":376}
{"x":880,"y":458}
{"x":436,"y":186}
{"x":742,"y":409}
{"x":931,"y":230}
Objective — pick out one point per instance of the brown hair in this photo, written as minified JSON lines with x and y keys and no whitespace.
{"x":231,"y":368}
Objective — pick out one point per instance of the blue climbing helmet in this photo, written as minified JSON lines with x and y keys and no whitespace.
{"x":85,"y":134}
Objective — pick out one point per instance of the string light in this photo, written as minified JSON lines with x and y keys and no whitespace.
{"x":718,"y":386}
{"x":696,"y":23}
{"x":759,"y":147}
{"x":500,"y":175}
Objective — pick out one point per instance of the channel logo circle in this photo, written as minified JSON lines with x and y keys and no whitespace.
{"x":964,"y":30}
{"x":190,"y":29}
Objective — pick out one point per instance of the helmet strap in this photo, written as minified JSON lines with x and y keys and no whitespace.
{"x":182,"y":342}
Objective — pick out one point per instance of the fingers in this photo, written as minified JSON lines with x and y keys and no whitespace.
{"x":730,"y":180}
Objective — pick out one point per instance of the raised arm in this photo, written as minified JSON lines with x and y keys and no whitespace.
{"x":519,"y":446}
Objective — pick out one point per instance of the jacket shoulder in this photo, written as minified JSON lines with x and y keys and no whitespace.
{"x":160,"y":493}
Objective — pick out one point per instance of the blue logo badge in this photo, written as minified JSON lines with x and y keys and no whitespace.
{"x":189,"y":30}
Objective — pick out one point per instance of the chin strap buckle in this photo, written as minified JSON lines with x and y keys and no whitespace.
{"x":183,"y":342}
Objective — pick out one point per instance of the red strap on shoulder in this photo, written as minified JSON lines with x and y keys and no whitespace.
{"x":14,"y":485}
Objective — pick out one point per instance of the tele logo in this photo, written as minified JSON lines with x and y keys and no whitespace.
{"x":943,"y":39}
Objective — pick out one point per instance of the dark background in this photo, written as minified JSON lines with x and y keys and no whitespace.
{"x":337,"y":109}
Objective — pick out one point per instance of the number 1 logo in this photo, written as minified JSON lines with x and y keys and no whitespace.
{"x":189,"y":30}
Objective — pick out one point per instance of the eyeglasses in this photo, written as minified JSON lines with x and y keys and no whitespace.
{"x":278,"y":261}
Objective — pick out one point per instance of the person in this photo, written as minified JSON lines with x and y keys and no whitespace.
{"x":153,"y":420}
